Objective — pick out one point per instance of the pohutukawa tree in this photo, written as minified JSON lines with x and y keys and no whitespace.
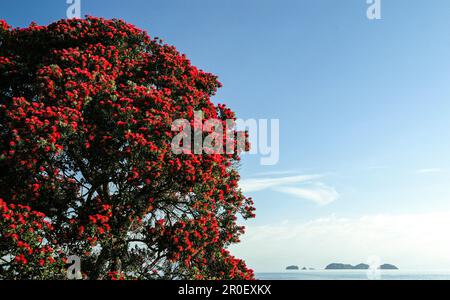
{"x":86,"y":166}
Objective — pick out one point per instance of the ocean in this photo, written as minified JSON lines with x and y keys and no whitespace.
{"x":356,"y":275}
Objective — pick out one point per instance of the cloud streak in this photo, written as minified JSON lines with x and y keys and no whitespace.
{"x":429,"y":171}
{"x":305,"y":187}
{"x":259,"y":184}
{"x":318,"y":193}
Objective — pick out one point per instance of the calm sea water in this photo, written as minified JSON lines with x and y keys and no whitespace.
{"x":356,"y":275}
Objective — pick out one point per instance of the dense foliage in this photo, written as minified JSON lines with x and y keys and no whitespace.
{"x":86,"y":166}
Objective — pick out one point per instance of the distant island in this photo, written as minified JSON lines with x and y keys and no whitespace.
{"x":337,"y":266}
{"x":296,"y":268}
{"x":388,"y":267}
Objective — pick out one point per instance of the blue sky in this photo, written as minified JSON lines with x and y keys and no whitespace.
{"x":364,"y":110}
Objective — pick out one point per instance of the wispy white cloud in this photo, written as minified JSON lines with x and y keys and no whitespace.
{"x":277,"y":173}
{"x":318,"y":193}
{"x":305,"y":187}
{"x":259,"y":184}
{"x":411,"y":241}
{"x":429,"y":170}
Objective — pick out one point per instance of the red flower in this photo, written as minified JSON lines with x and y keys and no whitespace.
{"x":21,"y":259}
{"x":36,"y":187}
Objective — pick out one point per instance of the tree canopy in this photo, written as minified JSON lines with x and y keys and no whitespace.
{"x":86,"y":166}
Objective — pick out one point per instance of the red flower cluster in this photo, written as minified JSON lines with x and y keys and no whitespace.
{"x":86,"y":108}
{"x":4,"y":25}
{"x":22,"y":231}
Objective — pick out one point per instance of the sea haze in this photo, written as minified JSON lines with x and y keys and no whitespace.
{"x":357,"y":275}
